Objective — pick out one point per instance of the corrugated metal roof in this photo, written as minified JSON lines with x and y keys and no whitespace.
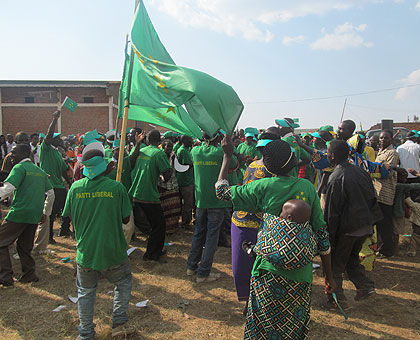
{"x":57,"y":83}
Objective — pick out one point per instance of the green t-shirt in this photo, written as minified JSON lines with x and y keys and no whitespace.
{"x":108,"y":151}
{"x":31,"y":184}
{"x":176,"y":147}
{"x":299,"y":153}
{"x":51,"y":161}
{"x":97,"y":208}
{"x":248,"y":150}
{"x":125,"y":174}
{"x":184,"y":157}
{"x":150,"y":163}
{"x":207,"y":163}
{"x":132,"y":149}
{"x":268,"y":195}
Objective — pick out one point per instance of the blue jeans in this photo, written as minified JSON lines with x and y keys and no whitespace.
{"x":87,"y":281}
{"x":206,"y":233}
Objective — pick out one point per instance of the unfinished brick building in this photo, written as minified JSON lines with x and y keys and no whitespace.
{"x":27,"y":105}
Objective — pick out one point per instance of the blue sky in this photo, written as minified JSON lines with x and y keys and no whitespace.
{"x":271,"y":52}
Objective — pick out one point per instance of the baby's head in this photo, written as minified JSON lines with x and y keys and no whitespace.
{"x":296,"y":211}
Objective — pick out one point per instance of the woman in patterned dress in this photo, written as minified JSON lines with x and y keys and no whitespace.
{"x":280,"y":299}
{"x":245,"y":225}
{"x":170,"y":198}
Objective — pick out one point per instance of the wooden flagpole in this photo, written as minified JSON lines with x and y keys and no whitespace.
{"x":125,"y":114}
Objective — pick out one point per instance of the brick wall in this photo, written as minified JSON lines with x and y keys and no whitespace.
{"x":37,"y":119}
{"x":29,"y":119}
{"x":18,"y":94}
{"x":84,"y":119}
{"x":77,"y":94}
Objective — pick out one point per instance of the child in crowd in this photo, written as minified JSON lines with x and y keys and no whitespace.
{"x":294,"y":210}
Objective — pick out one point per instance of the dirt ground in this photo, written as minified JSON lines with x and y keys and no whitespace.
{"x":181,"y":309}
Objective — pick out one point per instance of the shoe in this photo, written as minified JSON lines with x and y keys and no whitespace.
{"x":380,"y":256}
{"x":45,"y":252}
{"x":363,"y":294}
{"x":5,"y":284}
{"x":32,"y":279}
{"x":411,"y":253}
{"x":16,"y":256}
{"x":63,"y":233}
{"x":212,"y":277}
{"x":248,"y":248}
{"x":331,"y":305}
{"x":123,"y":330}
{"x":80,"y":338}
{"x":52,"y":241}
{"x":160,"y":260}
{"x":191,"y":272}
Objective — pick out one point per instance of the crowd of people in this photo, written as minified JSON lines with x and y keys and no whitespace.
{"x":275,"y":197}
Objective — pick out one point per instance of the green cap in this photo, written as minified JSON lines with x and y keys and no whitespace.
{"x":328,"y":128}
{"x":91,"y":137}
{"x":169,"y":134}
{"x":287,"y":122}
{"x":116,"y":143}
{"x":94,"y":167}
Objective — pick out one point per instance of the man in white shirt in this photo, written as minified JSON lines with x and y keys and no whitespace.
{"x":409,"y":153}
{"x":10,"y":143}
{"x":35,"y":147}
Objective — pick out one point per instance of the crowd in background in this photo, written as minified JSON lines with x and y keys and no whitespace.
{"x":333,"y":193}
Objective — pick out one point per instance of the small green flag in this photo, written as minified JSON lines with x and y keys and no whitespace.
{"x":178,"y":98}
{"x":69,"y":104}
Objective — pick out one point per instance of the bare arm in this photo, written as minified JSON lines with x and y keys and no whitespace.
{"x":167,"y":174}
{"x":66,"y":178}
{"x":304,"y":146}
{"x":139,"y":139}
{"x":227,"y":146}
{"x":51,"y":128}
{"x":330,"y":285}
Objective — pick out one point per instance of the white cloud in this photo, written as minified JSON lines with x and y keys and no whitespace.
{"x":344,"y":36}
{"x":293,"y":40}
{"x":413,"y":78}
{"x":248,"y":19}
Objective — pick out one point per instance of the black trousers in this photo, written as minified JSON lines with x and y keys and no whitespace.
{"x":385,"y":229}
{"x":58,"y":206}
{"x":156,"y":219}
{"x":345,"y":258}
{"x":25,"y":235}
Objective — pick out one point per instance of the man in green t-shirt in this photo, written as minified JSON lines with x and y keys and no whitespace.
{"x":128,"y":164}
{"x":151,"y":163}
{"x":248,"y":150}
{"x":186,"y":179}
{"x":110,"y":137}
{"x":287,"y":127}
{"x":51,"y":161}
{"x":210,"y":213}
{"x":98,"y":206}
{"x":29,"y":184}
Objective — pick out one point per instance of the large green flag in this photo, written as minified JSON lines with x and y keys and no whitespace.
{"x":175,"y":97}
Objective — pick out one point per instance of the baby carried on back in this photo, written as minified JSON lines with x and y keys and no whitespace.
{"x":286,"y":241}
